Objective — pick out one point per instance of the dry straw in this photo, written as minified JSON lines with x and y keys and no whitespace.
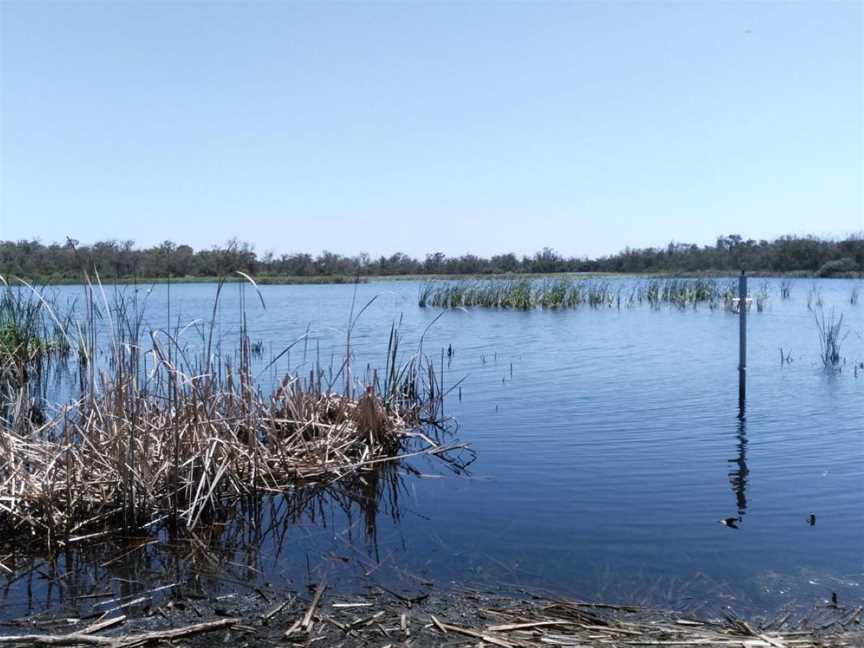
{"x":163,"y":432}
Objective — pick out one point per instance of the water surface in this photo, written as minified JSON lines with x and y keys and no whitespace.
{"x":609,"y":444}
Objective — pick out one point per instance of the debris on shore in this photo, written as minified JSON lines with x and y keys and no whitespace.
{"x":471,"y":618}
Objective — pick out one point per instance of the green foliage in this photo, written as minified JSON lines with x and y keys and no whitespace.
{"x":17,"y":342}
{"x":838,"y":266}
{"x":121,"y":260}
{"x":567,"y":292}
{"x":27,"y":333}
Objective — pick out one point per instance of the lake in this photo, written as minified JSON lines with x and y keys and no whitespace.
{"x":608,"y":448}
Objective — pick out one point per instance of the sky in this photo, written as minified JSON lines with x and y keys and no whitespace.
{"x":479,"y":127}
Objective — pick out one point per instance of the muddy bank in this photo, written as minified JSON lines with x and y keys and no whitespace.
{"x":383,"y":617}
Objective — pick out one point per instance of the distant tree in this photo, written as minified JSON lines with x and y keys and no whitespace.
{"x":122,"y":260}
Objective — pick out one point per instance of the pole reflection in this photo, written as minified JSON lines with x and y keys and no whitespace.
{"x":739,"y":473}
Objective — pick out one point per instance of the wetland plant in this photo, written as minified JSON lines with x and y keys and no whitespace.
{"x":831,"y":336}
{"x":29,"y":342}
{"x":171,"y":428}
{"x":814,"y":297}
{"x":762,"y":296}
{"x":567,"y":292}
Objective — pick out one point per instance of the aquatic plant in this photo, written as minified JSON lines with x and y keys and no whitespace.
{"x":22,"y":330}
{"x":831,"y":337}
{"x":29,"y":340}
{"x":785,"y":288}
{"x":814,"y":297}
{"x":568,"y":292}
{"x":762,"y":296}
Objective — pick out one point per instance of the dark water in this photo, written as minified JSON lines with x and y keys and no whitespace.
{"x":609,"y":445}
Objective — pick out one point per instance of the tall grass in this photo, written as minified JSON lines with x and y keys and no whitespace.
{"x":31,"y":337}
{"x":527,"y":294}
{"x":28,"y":331}
{"x":169,"y":425}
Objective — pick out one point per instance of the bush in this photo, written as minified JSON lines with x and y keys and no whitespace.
{"x":838,"y":266}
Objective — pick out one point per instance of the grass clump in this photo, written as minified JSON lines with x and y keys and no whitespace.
{"x":30,"y":338}
{"x":166,"y":429}
{"x":831,"y":336}
{"x":549,"y":293}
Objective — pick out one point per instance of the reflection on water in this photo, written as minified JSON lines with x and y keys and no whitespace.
{"x":235,"y":548}
{"x":606,"y":451}
{"x":738,"y":476}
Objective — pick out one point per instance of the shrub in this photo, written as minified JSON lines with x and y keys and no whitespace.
{"x":838,"y":266}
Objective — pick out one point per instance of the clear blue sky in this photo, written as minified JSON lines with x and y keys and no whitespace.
{"x":480,"y":127}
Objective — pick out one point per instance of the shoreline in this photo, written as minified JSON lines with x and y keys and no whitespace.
{"x":383,"y":617}
{"x":286,"y":280}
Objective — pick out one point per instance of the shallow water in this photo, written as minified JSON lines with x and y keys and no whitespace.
{"x":608,"y":443}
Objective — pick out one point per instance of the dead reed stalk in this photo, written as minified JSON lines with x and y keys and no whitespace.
{"x":164,"y":432}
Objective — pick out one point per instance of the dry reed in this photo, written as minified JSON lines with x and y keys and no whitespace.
{"x":167,"y":434}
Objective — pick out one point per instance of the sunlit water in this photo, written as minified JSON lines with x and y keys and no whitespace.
{"x":609,"y":445}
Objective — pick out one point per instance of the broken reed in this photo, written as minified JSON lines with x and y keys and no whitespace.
{"x":528,"y":294}
{"x":170,"y":430}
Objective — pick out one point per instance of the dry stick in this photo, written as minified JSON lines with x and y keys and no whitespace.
{"x":774,"y":642}
{"x":605,"y":606}
{"x":72,"y":639}
{"x":307,"y":618}
{"x":478,"y":635}
{"x":294,"y":627}
{"x":142,"y":599}
{"x":276,"y":610}
{"x":852,"y":617}
{"x":524,"y":626}
{"x":177,"y":633}
{"x":101,"y":625}
{"x":438,"y":624}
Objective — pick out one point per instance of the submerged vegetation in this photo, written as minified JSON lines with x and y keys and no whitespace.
{"x":172,"y":429}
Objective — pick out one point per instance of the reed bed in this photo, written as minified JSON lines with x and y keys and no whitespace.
{"x":527,"y":294}
{"x":107,"y":462}
{"x":168,"y":433}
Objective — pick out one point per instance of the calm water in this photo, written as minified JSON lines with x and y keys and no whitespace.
{"x":608,"y":448}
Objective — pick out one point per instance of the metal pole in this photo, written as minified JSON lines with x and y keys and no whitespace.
{"x":742,"y":338}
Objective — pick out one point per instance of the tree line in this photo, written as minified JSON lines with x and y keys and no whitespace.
{"x":118,"y":260}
